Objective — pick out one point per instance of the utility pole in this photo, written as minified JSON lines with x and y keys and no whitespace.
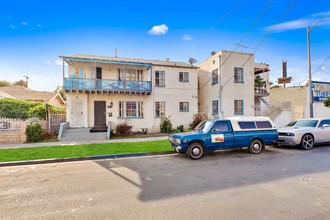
{"x":310,"y":91}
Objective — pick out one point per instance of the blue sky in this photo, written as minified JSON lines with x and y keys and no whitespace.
{"x":33,"y":34}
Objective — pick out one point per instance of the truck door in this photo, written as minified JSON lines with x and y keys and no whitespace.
{"x":221,"y":136}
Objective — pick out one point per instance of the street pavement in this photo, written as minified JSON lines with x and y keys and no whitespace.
{"x":279,"y":183}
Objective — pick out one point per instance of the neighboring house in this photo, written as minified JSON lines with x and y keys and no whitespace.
{"x":23,"y":93}
{"x":226,"y":84}
{"x":102,"y":89}
{"x":298,"y":100}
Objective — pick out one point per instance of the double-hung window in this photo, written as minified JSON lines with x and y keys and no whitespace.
{"x":184,"y":106}
{"x":215,"y":76}
{"x":160,"y":78}
{"x":215,"y":108}
{"x":130,"y":109}
{"x":238,"y":75}
{"x":160,"y":109}
{"x":238,"y":107}
{"x":183,"y":76}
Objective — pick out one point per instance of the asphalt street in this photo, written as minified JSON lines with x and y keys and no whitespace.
{"x":279,"y":183}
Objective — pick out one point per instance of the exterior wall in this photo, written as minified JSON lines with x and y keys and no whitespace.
{"x":230,"y":91}
{"x":172,"y":94}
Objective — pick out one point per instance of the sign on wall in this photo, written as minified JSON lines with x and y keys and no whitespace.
{"x":321,"y":91}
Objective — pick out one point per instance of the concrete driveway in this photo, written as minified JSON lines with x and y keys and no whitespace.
{"x":277,"y":184}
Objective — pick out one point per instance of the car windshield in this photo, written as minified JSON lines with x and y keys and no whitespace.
{"x":204,"y":126}
{"x":306,"y":123}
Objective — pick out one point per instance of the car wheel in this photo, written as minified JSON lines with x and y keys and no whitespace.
{"x":195,"y":151}
{"x":307,"y":142}
{"x":255,"y":146}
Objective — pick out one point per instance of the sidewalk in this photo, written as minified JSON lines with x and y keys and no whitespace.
{"x":60,"y":143}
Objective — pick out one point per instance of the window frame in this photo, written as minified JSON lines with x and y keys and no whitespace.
{"x":159,"y":78}
{"x":158,"y":108}
{"x":215,"y":105}
{"x":238,"y":107}
{"x":183,"y":76}
{"x":215,"y":75}
{"x":123,"y":109}
{"x":238,"y":75}
{"x":181,"y":107}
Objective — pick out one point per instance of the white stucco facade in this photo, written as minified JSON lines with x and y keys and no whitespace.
{"x":84,"y":87}
{"x":227,"y":90}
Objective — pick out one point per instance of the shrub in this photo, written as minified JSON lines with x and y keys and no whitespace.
{"x":180,"y":128}
{"x":38,"y":111}
{"x":34,"y":132}
{"x":123,"y":129}
{"x":144,"y":130}
{"x":197,"y":119}
{"x":49,"y":136}
{"x":166,"y":125}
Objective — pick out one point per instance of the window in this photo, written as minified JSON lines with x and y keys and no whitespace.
{"x":247,"y":125}
{"x":184,"y":106}
{"x":238,"y":107}
{"x":215,"y":107}
{"x":221,"y":126}
{"x":183,"y":76}
{"x":160,"y":109}
{"x":263,"y":124}
{"x":238,"y":75}
{"x":324,"y":122}
{"x":130,"y":74}
{"x":130,"y":109}
{"x":215,"y":78}
{"x":160,"y":78}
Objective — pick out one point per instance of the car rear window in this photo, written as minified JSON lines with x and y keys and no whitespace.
{"x":263,"y":124}
{"x":247,"y":124}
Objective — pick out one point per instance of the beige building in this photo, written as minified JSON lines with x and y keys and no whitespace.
{"x":102,"y":89}
{"x":226,"y":84}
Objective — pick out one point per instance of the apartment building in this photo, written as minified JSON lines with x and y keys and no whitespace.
{"x":103,"y":89}
{"x":227,"y":84}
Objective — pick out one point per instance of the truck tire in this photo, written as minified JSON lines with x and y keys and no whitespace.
{"x":255,"y":146}
{"x":195,"y":151}
{"x":307,"y":142}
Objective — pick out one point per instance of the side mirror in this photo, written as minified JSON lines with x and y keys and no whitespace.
{"x":325,"y":126}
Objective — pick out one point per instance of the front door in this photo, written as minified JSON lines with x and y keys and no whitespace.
{"x":76,"y":113}
{"x":99,"y":114}
{"x":221,"y":136}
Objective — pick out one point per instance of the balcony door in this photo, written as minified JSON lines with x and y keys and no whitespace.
{"x":99,"y":114}
{"x":98,"y":81}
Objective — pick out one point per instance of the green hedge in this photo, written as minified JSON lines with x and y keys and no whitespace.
{"x":13,"y":108}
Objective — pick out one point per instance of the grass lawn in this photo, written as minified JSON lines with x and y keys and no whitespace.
{"x":83,"y":150}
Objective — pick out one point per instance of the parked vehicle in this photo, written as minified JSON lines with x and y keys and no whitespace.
{"x":306,"y":133}
{"x":234,"y":133}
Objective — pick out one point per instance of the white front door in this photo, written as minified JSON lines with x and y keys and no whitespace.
{"x":76,"y":114}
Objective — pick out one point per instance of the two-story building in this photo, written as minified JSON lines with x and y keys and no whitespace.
{"x":102,"y":89}
{"x":227,"y":84}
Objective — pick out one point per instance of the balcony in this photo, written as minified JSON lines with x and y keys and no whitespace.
{"x":261,"y":92}
{"x":107,"y":86}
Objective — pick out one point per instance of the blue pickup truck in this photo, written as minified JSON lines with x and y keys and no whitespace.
{"x":233,"y":133}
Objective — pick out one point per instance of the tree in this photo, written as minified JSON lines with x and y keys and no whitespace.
{"x":326,"y":102}
{"x":60,"y":90}
{"x":259,"y":82}
{"x":4,"y":83}
{"x":20,"y":82}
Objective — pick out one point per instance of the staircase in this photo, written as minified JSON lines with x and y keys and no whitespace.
{"x":82,"y":134}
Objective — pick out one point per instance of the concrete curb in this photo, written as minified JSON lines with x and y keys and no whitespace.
{"x":100,"y":157}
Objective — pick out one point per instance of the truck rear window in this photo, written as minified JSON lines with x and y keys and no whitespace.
{"x":263,"y":124}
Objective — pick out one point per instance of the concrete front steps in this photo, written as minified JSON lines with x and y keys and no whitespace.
{"x":82,"y":134}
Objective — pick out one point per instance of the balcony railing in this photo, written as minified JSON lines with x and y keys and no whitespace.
{"x":261,"y":92}
{"x":107,"y":85}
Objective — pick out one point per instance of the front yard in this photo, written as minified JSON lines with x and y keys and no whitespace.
{"x":83,"y":150}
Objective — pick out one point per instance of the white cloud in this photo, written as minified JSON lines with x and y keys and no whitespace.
{"x":39,"y":25}
{"x":12,"y":26}
{"x":59,"y":62}
{"x":48,"y":62}
{"x":158,"y":30}
{"x":301,"y":22}
{"x":25,"y":23}
{"x":186,"y":37}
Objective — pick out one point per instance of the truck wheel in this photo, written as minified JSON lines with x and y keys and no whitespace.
{"x":195,"y":151}
{"x":307,"y":142}
{"x":255,"y":146}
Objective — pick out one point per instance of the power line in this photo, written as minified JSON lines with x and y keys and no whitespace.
{"x":265,"y":38}
{"x":243,"y":38}
{"x":317,"y":69}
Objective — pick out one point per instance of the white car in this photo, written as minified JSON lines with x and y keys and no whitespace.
{"x":306,"y":133}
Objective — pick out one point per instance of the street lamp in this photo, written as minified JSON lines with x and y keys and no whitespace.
{"x":309,"y":65}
